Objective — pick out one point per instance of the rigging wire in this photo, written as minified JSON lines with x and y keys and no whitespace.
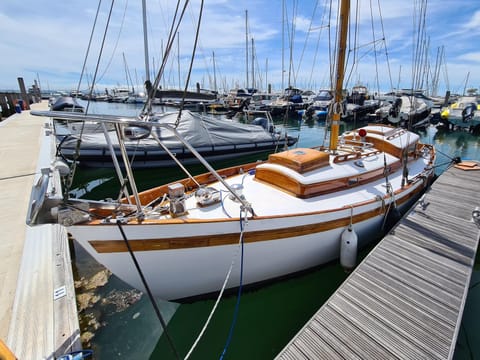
{"x":86,"y":54}
{"x":152,"y":88}
{"x":322,"y":25}
{"x":294,"y":30}
{"x":330,"y":52}
{"x":353,"y":49}
{"x":17,"y":176}
{"x":220,"y":294}
{"x":182,"y":104}
{"x":385,"y":43}
{"x":374,"y":47}
{"x":128,"y":76}
{"x":307,"y":37}
{"x":353,"y":53}
{"x":290,"y":36}
{"x":332,"y":62}
{"x":452,"y":159}
{"x":259,"y":72}
{"x":71,"y":175}
{"x":116,"y":42}
{"x":167,"y":150}
{"x":418,"y":38}
{"x":388,"y":188}
{"x":69,"y":180}
{"x":239,"y":293}
{"x":147,"y":288}
{"x":205,"y":61}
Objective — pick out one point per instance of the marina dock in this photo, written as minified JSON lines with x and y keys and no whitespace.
{"x":406,"y":299}
{"x":38,"y":314}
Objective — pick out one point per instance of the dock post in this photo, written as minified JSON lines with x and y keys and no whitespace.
{"x":23,"y":94}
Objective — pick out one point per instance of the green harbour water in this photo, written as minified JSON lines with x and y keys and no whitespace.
{"x":124,"y":325}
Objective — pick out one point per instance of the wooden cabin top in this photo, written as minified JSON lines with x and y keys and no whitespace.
{"x":300,"y":160}
{"x":306,"y":172}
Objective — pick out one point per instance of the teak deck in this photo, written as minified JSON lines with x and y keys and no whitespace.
{"x":406,"y":299}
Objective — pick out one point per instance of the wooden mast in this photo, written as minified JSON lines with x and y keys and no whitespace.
{"x":340,"y":73}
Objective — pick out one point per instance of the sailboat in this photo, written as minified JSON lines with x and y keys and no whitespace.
{"x":254,"y":222}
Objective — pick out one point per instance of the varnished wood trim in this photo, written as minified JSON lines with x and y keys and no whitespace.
{"x":301,"y":159}
{"x":382,"y":145}
{"x":114,"y":246}
{"x":110,"y":246}
{"x":5,"y":352}
{"x":294,"y":187}
{"x":148,"y":196}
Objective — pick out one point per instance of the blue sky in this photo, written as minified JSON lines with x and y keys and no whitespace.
{"x":47,"y":40}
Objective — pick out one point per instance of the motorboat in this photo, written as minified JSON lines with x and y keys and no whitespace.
{"x":318,"y":110}
{"x":464,"y":113}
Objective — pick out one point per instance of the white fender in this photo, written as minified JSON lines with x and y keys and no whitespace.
{"x":62,"y":167}
{"x":348,"y":248}
{"x":37,"y":197}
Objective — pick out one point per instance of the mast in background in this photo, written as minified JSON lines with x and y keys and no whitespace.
{"x":145,"y":41}
{"x":214,"y":73}
{"x":246,"y":47}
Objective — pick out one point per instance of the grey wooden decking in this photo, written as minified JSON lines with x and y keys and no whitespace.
{"x":406,"y":299}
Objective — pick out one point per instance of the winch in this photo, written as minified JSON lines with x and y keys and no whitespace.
{"x":206,"y":196}
{"x":238,"y":190}
{"x":176,"y":194}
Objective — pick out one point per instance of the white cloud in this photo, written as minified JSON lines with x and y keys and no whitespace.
{"x":51,"y":38}
{"x":474,"y":23}
{"x":472,"y":56}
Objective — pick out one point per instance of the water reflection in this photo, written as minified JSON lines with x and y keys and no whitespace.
{"x":89,"y":187}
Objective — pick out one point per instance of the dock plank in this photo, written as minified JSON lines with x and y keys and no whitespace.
{"x":406,"y":299}
{"x":34,"y":323}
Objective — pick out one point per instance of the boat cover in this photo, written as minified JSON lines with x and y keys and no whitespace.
{"x":197,"y":129}
{"x":66,"y":103}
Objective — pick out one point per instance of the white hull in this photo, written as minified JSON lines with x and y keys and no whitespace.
{"x":186,"y":272}
{"x":289,"y":211}
{"x":175,"y":274}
